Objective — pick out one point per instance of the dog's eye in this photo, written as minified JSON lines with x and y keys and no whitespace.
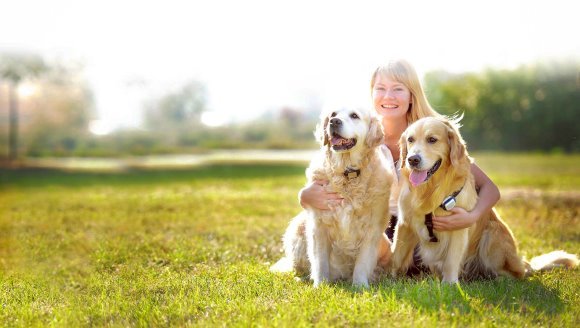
{"x":431,"y":140}
{"x":410,"y":139}
{"x":354,"y":116}
{"x":333,"y":114}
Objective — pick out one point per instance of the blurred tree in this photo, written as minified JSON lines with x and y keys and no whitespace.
{"x":554,"y":100}
{"x":455,"y":94}
{"x":59,"y":116}
{"x":15,"y":68}
{"x":533,"y":107}
{"x":290,"y":116}
{"x":176,"y":113}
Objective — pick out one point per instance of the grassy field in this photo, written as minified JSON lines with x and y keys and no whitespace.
{"x":193,"y":246}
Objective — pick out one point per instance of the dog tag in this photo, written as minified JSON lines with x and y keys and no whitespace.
{"x":448,"y":203}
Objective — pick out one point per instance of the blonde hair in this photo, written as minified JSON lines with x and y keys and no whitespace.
{"x":401,"y":71}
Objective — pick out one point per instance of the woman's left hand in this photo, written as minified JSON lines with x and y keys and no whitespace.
{"x":459,"y":219}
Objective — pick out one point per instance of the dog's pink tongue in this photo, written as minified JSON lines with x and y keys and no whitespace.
{"x":417,"y":177}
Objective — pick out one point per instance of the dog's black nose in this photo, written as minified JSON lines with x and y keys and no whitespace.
{"x":335,"y":122}
{"x":414,"y":160}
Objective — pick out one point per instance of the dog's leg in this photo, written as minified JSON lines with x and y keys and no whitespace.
{"x":384,"y":252}
{"x":318,"y":253}
{"x":455,"y":256}
{"x":366,"y":261}
{"x":404,"y":243}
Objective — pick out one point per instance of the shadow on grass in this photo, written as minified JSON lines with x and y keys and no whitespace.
{"x":34,"y":178}
{"x":504,"y":294}
{"x":428,"y":294}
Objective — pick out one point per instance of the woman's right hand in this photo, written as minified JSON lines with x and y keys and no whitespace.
{"x":317,"y":196}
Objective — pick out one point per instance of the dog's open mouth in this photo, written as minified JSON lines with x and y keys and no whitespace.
{"x":418,"y":177}
{"x":340,"y":143}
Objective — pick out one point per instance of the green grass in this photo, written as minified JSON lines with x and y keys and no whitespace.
{"x":547,"y":172}
{"x":192,"y":247}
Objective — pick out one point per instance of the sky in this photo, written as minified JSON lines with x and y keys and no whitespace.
{"x":255,"y":56}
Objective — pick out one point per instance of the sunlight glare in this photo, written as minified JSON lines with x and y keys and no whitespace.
{"x":213,"y":119}
{"x":26,"y":90}
{"x":100,"y":127}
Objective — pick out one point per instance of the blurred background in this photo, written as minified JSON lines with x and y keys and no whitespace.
{"x":133,"y":78}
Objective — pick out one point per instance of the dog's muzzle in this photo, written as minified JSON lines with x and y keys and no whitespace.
{"x":414,"y":161}
{"x":334,"y":126}
{"x":417,"y":176}
{"x":337,"y":141}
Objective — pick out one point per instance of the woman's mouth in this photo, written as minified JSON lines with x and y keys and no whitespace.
{"x":390,"y":106}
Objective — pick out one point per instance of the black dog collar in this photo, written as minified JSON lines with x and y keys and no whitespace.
{"x":351,"y":173}
{"x":448,"y":204}
{"x":429,"y":224}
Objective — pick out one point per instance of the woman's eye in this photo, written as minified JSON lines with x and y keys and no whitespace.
{"x":354,"y":116}
{"x":431,"y":140}
{"x":411,"y":139}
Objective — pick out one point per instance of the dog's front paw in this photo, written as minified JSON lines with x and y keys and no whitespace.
{"x":450,"y":277}
{"x":318,"y":282}
{"x":361,"y":283}
{"x":450,"y":281}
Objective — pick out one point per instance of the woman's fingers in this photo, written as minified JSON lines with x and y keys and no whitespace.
{"x":459,"y":219}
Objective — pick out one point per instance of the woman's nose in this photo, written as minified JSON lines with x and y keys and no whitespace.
{"x":389,"y":94}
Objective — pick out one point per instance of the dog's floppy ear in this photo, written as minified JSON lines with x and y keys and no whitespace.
{"x":320,"y":132}
{"x":403,"y":148}
{"x":457,"y":148}
{"x":375,"y":135}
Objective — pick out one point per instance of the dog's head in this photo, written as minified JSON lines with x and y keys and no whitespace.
{"x":429,"y":144}
{"x":344,"y":129}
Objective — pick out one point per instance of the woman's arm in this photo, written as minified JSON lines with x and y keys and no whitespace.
{"x":315,"y":195}
{"x":460,"y":218}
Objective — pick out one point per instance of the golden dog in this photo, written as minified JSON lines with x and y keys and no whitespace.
{"x":342,"y":243}
{"x":436,"y":172}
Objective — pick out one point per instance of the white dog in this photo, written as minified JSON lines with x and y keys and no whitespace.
{"x":343,"y":243}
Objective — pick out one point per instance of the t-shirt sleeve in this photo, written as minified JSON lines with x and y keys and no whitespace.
{"x":394,"y":198}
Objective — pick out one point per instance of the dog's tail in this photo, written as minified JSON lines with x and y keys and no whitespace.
{"x":295,"y":248}
{"x":552,"y":260}
{"x":284,"y":264}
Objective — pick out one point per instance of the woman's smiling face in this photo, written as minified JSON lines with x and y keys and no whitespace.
{"x":390,"y":98}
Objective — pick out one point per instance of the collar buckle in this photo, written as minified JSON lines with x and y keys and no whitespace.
{"x":351,"y":173}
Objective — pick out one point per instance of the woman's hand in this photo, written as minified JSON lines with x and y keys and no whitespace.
{"x":459,"y":219}
{"x":317,"y":196}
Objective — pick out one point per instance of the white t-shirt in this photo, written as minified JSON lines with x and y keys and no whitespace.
{"x":393,"y":201}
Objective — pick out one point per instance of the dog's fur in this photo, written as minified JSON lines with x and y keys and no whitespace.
{"x":486,"y":249}
{"x":343,"y":243}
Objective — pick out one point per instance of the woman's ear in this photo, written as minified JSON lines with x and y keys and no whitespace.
{"x":320,"y":132}
{"x":375,"y":135}
{"x":403,"y":148}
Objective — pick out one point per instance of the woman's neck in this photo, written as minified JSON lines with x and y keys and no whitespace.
{"x":393,"y":129}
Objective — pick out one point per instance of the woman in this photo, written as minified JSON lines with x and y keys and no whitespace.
{"x":399,"y":100}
